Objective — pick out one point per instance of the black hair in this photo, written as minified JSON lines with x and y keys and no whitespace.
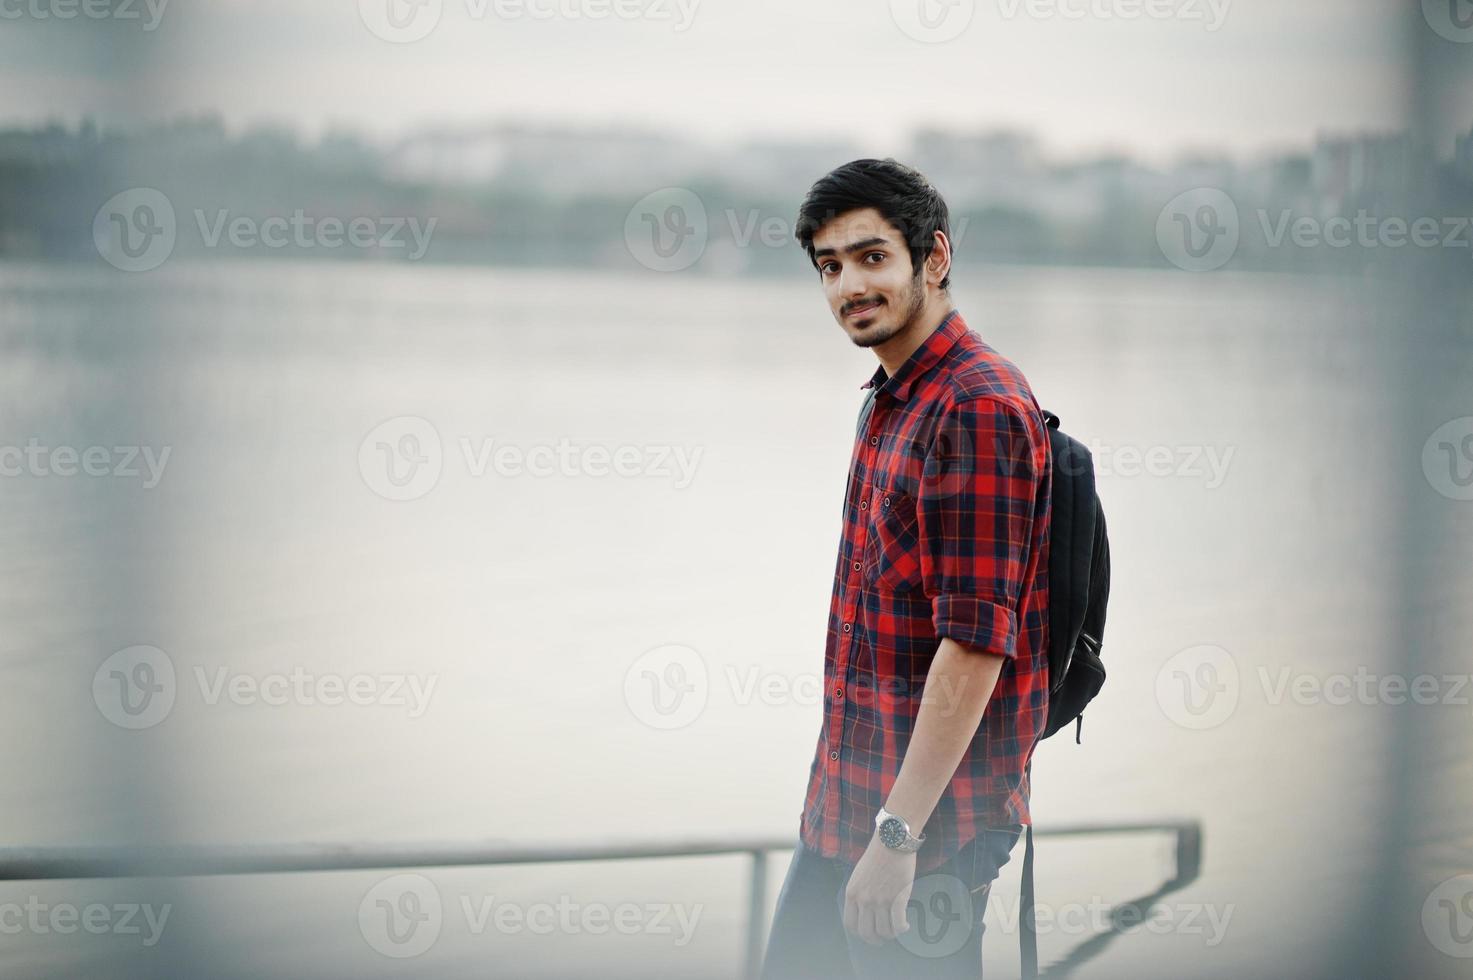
{"x":902,"y":195}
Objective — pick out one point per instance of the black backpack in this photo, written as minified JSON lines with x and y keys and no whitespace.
{"x":1079,"y":588}
{"x":1079,"y":582}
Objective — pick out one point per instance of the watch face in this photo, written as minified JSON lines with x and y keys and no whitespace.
{"x":892,"y":832}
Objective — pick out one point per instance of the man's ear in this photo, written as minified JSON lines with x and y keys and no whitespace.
{"x":938,"y":263}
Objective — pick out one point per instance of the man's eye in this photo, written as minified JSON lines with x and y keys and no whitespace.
{"x":872,"y":255}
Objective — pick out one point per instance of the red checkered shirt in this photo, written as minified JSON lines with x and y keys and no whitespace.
{"x":945,"y":533}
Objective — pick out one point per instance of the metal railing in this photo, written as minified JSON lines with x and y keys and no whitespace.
{"x":49,"y":863}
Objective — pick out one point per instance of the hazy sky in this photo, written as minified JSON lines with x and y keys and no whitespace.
{"x":1238,"y":75}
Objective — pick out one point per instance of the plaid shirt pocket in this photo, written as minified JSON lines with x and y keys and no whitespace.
{"x":892,"y":554}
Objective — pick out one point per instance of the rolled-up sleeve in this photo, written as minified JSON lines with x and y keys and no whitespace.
{"x":976,"y":505}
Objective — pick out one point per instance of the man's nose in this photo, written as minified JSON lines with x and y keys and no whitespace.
{"x":852,"y":284}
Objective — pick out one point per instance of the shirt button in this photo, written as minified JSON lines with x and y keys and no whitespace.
{"x":864,"y":504}
{"x":856,"y":566}
{"x":834,"y":755}
{"x":874,"y":440}
{"x":838,"y":692}
{"x":887,"y":501}
{"x":846,"y":627}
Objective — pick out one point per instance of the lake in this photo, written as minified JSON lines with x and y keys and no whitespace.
{"x":392,"y":547}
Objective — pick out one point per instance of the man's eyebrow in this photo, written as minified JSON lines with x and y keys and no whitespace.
{"x":856,"y":247}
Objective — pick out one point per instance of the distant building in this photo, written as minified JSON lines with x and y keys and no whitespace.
{"x":980,"y":168}
{"x":1279,"y":180}
{"x":51,"y":145}
{"x":1202,"y":169}
{"x":1342,"y":167}
{"x":557,"y":161}
{"x":785,"y":168}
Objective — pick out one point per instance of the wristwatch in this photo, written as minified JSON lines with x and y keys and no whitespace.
{"x":895,"y":833}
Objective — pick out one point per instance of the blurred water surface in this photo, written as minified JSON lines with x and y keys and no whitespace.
{"x":519,"y":603}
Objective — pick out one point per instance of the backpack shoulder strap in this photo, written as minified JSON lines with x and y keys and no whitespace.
{"x":1027,"y":935}
{"x":865,"y":410}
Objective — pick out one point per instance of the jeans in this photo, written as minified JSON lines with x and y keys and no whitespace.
{"x":808,"y":940}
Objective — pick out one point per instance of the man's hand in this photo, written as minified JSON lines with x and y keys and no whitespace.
{"x":874,"y":901}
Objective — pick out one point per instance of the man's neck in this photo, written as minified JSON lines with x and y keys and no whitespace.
{"x":894,"y":352}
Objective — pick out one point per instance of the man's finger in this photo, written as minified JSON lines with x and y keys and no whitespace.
{"x":883,"y":929}
{"x":867,"y":930}
{"x":897,"y":913}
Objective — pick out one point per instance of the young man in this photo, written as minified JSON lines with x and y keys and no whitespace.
{"x":935,"y":684}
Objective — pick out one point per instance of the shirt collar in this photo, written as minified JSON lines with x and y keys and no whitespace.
{"x":922,"y":359}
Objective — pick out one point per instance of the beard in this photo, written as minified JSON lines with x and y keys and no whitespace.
{"x":913,"y":299}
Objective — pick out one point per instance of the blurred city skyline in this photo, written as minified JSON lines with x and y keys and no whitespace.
{"x":550,"y":195}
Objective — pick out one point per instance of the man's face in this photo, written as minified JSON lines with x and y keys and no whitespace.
{"x":865,"y":267}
